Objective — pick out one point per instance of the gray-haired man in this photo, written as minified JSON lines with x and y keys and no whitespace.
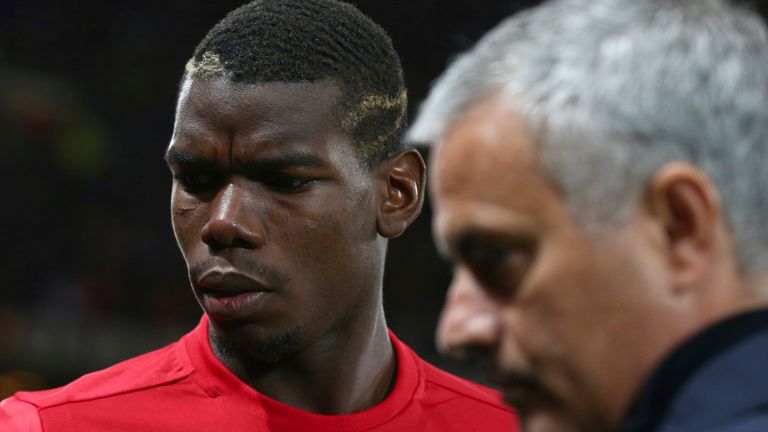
{"x":599,"y":182}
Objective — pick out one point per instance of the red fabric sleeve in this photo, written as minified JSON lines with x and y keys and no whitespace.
{"x":19,"y":416}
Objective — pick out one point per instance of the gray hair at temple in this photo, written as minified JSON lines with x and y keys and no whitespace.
{"x":614,"y":89}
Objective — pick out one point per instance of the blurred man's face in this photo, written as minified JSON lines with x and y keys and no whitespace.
{"x":570,"y":322}
{"x":274,"y":214}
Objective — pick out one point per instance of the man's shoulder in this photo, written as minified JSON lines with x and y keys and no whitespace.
{"x":19,"y":416}
{"x":451,"y":386}
{"x":441,"y":388}
{"x":153,"y":369}
{"x":443,"y":401}
{"x":728,"y":391}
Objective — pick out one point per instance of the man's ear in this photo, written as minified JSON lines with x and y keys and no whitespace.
{"x":402,"y":180}
{"x":686,"y":205}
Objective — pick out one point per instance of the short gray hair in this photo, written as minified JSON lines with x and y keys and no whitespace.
{"x":614,"y":89}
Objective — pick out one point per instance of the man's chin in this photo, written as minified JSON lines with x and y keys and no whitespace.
{"x":523,"y":391}
{"x":539,"y":411}
{"x":546,"y":421}
{"x":255,"y":345}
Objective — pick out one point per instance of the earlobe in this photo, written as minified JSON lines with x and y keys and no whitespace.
{"x":403,"y":177}
{"x":686,"y":204}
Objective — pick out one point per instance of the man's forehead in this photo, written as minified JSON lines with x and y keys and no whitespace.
{"x":485,"y":174}
{"x":221,"y":120}
{"x":269,"y":108}
{"x":490,"y":143}
{"x":286,"y":97}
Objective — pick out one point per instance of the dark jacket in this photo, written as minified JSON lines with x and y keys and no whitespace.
{"x":715,"y":382}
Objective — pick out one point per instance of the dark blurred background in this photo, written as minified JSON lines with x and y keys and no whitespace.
{"x":90,"y":273}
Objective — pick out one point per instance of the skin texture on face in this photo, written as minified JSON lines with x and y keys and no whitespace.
{"x":569,"y":322}
{"x":284,"y":233}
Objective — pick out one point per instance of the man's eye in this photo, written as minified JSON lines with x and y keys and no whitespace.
{"x":196,"y":182}
{"x":286,"y":183}
{"x":499,"y":269}
{"x":486,"y":260}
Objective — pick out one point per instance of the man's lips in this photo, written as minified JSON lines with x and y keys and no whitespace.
{"x":229,"y":283}
{"x":228,"y":294}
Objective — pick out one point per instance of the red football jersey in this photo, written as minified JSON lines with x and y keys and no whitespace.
{"x":184,"y":387}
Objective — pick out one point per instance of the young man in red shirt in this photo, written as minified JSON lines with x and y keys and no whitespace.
{"x":599,"y":182}
{"x":289,"y":178}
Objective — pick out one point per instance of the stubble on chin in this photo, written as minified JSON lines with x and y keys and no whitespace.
{"x":268,"y":350}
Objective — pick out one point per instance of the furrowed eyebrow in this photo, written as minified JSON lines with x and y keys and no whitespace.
{"x":466,"y":242}
{"x":176,"y":157}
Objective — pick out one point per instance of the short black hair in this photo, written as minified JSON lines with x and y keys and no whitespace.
{"x":312,"y":40}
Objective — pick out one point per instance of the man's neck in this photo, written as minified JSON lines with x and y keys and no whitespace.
{"x":348,"y":371}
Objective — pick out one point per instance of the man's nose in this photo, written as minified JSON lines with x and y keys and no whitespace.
{"x":232,"y":222}
{"x":470,"y":318}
